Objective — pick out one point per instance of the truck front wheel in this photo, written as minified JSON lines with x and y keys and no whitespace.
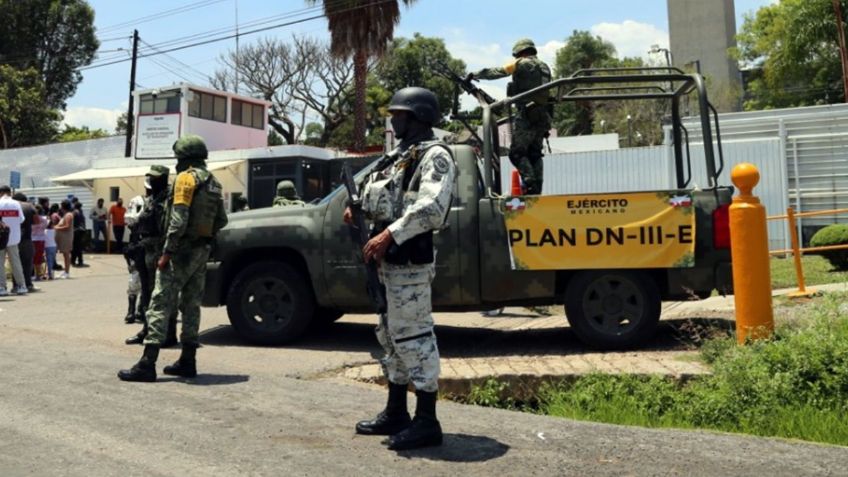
{"x":612,"y":309}
{"x":270,"y":303}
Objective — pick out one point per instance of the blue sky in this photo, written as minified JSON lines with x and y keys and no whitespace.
{"x":479,"y":32}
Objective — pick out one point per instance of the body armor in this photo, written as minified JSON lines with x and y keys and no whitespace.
{"x":204,"y":205}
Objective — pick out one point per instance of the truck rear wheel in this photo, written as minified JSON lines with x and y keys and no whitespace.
{"x":612,"y":309}
{"x":270,"y":303}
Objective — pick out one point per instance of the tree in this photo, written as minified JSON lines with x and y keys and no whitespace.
{"x":121,"y":124}
{"x":25,"y":118}
{"x":71,"y":134}
{"x":295,"y":77}
{"x":360,"y":29}
{"x":410,"y":62}
{"x":55,"y":37}
{"x":581,"y":50}
{"x":791,"y":50}
{"x":274,"y":139}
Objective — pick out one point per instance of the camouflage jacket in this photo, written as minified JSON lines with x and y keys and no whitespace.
{"x":285,"y":202}
{"x":421,"y":204}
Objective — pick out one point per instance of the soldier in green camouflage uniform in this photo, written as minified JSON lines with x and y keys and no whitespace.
{"x":150,"y":228}
{"x":287,"y":195}
{"x":533,"y":120}
{"x":408,"y":200}
{"x":194,"y":218}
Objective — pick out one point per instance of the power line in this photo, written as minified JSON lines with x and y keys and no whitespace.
{"x":155,"y":16}
{"x":228,"y":37}
{"x":178,"y":62}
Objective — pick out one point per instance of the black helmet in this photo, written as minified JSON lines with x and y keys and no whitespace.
{"x":419,"y":101}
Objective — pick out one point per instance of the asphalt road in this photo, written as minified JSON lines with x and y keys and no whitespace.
{"x":275,"y":411}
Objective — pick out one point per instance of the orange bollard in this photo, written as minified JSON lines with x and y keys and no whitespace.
{"x":515,"y":187}
{"x":749,"y":249}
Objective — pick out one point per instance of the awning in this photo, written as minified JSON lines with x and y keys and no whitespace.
{"x":84,"y":178}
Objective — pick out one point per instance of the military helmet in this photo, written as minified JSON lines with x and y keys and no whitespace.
{"x":421,"y":102}
{"x":523,"y":45}
{"x":190,"y":148}
{"x":286,"y":189}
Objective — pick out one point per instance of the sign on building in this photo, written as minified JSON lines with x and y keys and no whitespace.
{"x":156,"y":135}
{"x":15,"y":179}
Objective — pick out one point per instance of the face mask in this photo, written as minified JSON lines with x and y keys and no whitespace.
{"x":400,"y":124}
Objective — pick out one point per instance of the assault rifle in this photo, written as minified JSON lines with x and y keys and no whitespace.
{"x":465,"y":84}
{"x":359,"y":232}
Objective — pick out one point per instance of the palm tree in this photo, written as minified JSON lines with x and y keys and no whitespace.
{"x":361,"y":29}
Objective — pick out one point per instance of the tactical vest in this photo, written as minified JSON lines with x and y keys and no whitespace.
{"x":151,"y":221}
{"x":530,"y":72}
{"x":208,"y":195}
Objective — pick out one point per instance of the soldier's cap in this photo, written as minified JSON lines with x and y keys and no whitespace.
{"x":155,"y":172}
{"x":523,"y":45}
{"x":190,"y":147}
{"x":286,"y":185}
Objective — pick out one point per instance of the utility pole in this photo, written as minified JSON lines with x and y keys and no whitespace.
{"x":130,"y":112}
{"x":237,"y":47}
{"x":843,"y":53}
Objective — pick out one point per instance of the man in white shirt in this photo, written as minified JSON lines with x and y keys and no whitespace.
{"x":13,"y":217}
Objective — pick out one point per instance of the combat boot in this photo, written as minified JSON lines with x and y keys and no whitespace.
{"x":171,"y":336}
{"x":391,"y":420}
{"x":186,"y":366}
{"x":130,"y":318}
{"x":145,"y":370}
{"x":137,"y":338}
{"x":425,"y":429}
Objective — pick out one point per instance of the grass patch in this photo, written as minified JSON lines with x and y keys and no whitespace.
{"x":817,"y":271}
{"x":793,"y":386}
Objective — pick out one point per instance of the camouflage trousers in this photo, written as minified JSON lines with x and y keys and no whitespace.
{"x":179,"y":285}
{"x":525,"y":150}
{"x":406,"y":329}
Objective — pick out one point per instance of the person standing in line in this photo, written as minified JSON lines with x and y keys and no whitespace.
{"x":65,"y":235}
{"x":195,"y":216}
{"x":38,"y":237}
{"x":13,"y":217}
{"x":116,"y":216}
{"x":80,"y":231}
{"x":408,"y":200}
{"x":98,"y":220}
{"x":50,"y":246}
{"x":26,"y":247}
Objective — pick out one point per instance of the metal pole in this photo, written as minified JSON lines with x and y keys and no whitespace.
{"x":629,"y":131}
{"x":796,"y":253}
{"x":237,"y":48}
{"x":130,"y":109}
{"x":798,"y":232}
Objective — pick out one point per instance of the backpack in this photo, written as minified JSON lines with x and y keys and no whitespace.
{"x":4,"y":234}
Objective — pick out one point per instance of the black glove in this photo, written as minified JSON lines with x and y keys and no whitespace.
{"x":469,"y":77}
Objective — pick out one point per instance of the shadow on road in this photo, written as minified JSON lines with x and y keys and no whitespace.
{"x":467,"y":342}
{"x":211,"y":379}
{"x":460,"y":448}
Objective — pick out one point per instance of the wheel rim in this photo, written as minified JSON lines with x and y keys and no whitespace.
{"x":268,"y":303}
{"x":613,"y":304}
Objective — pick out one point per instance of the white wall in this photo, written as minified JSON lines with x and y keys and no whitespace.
{"x":38,"y":164}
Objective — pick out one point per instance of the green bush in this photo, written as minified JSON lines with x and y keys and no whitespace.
{"x":836,"y":234}
{"x":794,"y":385}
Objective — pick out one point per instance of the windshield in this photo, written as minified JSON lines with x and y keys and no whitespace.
{"x":356,"y":177}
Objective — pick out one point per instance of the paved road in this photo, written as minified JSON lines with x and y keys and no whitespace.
{"x":272,"y":411}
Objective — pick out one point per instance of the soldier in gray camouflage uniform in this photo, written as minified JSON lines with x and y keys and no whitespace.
{"x":194,"y":218}
{"x":408,"y":200}
{"x":533,"y":120}
{"x":287,"y":195}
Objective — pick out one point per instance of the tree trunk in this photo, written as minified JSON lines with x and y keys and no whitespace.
{"x":286,"y":133}
{"x":360,"y":75}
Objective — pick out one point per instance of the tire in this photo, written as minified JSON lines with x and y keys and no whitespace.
{"x":613,"y":309}
{"x":270,"y":303}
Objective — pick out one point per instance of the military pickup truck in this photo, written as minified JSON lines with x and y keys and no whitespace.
{"x":278,"y":270}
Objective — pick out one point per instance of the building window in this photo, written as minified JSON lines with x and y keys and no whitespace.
{"x":208,"y":106}
{"x":160,"y":103}
{"x":248,"y":114}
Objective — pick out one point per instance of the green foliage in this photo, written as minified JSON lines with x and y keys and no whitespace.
{"x":408,"y":63}
{"x":55,"y":37}
{"x":794,"y":385}
{"x":489,"y":394}
{"x":817,"y":271}
{"x":836,"y":234}
{"x":792,"y":48}
{"x":71,"y":134}
{"x":25,"y":118}
{"x":121,"y":124}
{"x":275,"y":139}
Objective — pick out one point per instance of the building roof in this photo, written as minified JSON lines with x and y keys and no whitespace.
{"x":82,"y":177}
